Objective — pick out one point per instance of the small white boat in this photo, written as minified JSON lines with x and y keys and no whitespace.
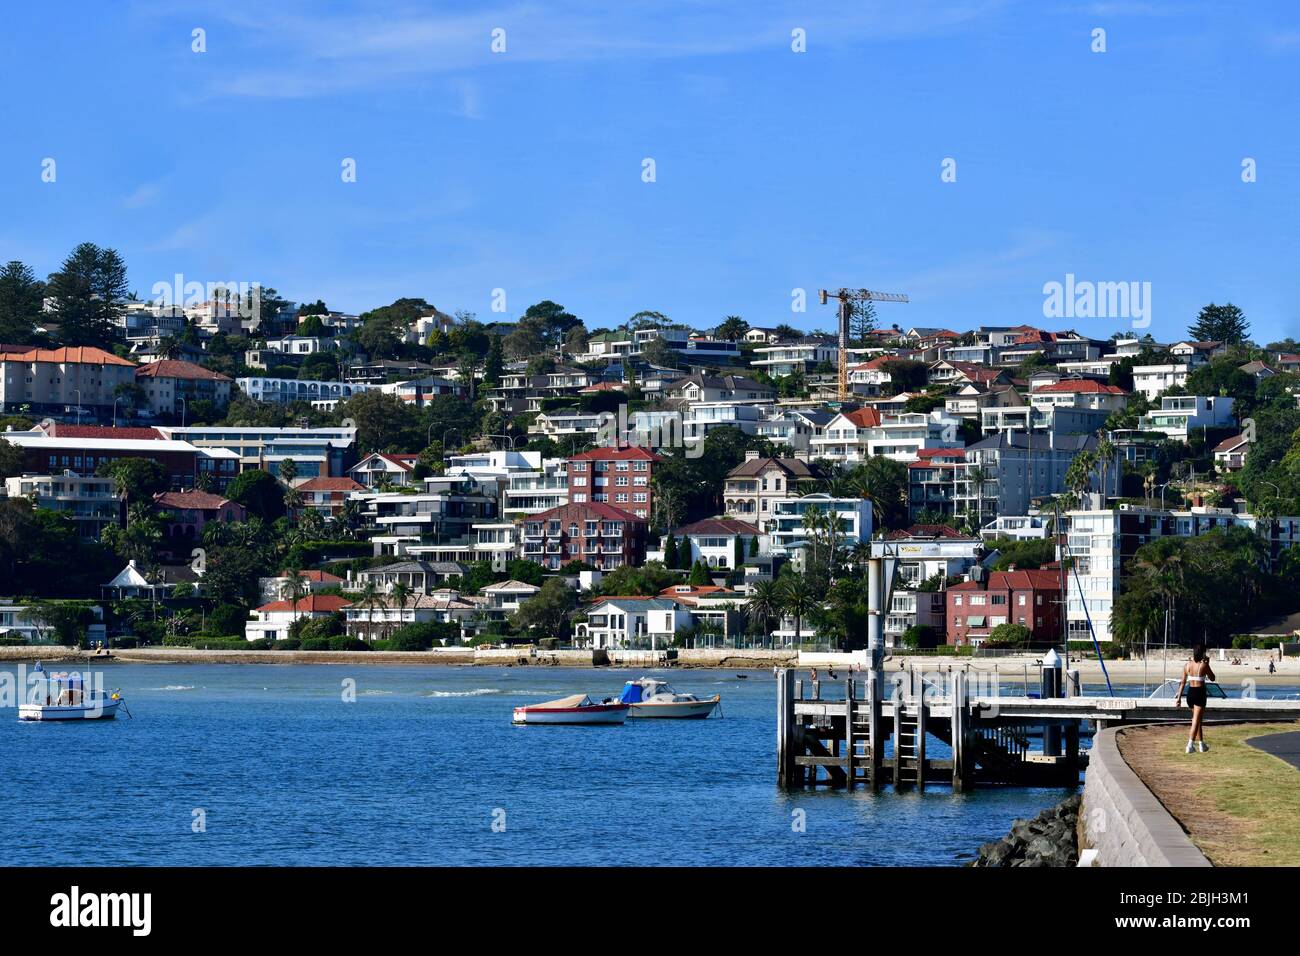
{"x":577,"y":709}
{"x":65,"y":697}
{"x":649,"y":697}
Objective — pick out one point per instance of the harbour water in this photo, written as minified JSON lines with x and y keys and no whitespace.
{"x":280,"y":769}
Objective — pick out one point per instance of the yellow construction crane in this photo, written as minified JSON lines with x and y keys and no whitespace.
{"x":851,"y":299}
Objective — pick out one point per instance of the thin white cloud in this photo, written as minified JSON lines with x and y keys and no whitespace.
{"x":303,"y":52}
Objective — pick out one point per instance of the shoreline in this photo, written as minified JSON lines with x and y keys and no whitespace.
{"x":1124,"y":672}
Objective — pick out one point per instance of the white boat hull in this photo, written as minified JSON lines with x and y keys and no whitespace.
{"x":595,"y":714}
{"x":103,"y":710}
{"x":676,"y":709}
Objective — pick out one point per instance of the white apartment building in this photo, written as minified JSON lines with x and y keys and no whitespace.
{"x":1101,"y":542}
{"x":1151,"y":380}
{"x":786,"y":527}
{"x":285,"y":391}
{"x":1179,"y":415}
{"x":787,"y":358}
{"x":92,"y":503}
{"x":536,"y":490}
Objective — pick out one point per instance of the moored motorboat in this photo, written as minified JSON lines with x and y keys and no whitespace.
{"x":649,"y":697}
{"x":65,"y":697}
{"x":575,"y":709}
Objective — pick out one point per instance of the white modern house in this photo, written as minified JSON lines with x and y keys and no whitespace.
{"x":787,"y":358}
{"x":1151,"y":380}
{"x":787,"y":521}
{"x":1179,"y":415}
{"x":632,"y":622}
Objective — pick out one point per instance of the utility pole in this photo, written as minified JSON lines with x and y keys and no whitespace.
{"x":849,"y":300}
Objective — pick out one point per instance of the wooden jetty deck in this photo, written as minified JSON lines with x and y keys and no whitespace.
{"x":872,"y":729}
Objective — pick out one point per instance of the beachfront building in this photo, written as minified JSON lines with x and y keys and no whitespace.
{"x":631,"y":623}
{"x":1101,"y":543}
{"x":274,"y":621}
{"x":1029,"y":598}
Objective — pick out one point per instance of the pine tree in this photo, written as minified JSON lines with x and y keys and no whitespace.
{"x":739,"y":552}
{"x":21,"y":295}
{"x":862,"y":322}
{"x":494,"y":365}
{"x":699,"y":574}
{"x":88,"y":292}
{"x":1220,"y":323}
{"x":670,"y":552}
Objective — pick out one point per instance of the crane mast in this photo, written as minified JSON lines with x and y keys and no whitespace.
{"x":849,"y":301}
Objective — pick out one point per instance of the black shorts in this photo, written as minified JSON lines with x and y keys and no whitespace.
{"x":1196,"y":695}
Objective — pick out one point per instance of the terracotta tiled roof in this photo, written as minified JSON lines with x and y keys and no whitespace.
{"x":58,"y":430}
{"x":173,"y":368}
{"x":795,"y":467}
{"x":1040,"y":579}
{"x":198,"y":500}
{"x":83,"y":355}
{"x":315,"y":604}
{"x":329,"y":484}
{"x":316,"y":577}
{"x":617,"y":454}
{"x":719,"y":526}
{"x":864,"y":417}
{"x":1081,"y":386}
{"x":591,"y":507}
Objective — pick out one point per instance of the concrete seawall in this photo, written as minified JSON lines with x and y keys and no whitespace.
{"x":1122,"y":820}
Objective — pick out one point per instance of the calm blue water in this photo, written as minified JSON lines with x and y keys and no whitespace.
{"x":412,"y":772}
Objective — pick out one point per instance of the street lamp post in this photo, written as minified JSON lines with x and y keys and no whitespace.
{"x":182,"y":400}
{"x":78,"y":391}
{"x":115,"y":401}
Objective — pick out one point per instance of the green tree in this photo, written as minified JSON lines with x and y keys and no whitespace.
{"x":136,"y":478}
{"x":547,"y":613}
{"x":699,"y":575}
{"x":733,"y":328}
{"x":21,"y":300}
{"x":88,"y":292}
{"x":766,"y":604}
{"x":1220,"y":323}
{"x":384,"y":422}
{"x":11,"y":460}
{"x":259,"y":492}
{"x":551,"y":320}
{"x":670,"y":550}
{"x":494,"y":365}
{"x":798,"y":600}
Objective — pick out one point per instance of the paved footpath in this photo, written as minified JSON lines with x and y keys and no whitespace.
{"x":1286,"y":746}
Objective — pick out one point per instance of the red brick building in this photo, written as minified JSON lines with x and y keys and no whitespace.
{"x":1030,"y":598}
{"x":604,"y":536}
{"x":614,"y":476}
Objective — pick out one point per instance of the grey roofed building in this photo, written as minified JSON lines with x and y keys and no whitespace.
{"x":422,"y":576}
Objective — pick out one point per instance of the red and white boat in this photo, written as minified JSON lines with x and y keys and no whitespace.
{"x":577,"y":709}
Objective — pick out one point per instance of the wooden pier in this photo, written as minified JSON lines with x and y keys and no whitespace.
{"x":871,"y":729}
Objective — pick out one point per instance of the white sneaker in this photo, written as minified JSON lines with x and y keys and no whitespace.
{"x":1203,"y":746}
{"x":1191,"y":749}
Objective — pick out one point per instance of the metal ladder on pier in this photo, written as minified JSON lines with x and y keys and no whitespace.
{"x":909,"y":748}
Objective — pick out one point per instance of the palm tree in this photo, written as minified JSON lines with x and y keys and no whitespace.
{"x":797,"y":600}
{"x":398,"y":594}
{"x":765,"y":604}
{"x":298,"y":588}
{"x":369,"y":598}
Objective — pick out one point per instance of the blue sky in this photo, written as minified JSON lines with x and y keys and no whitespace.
{"x":775,"y":170}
